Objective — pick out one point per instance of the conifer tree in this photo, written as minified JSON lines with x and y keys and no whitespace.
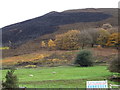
{"x":11,"y":80}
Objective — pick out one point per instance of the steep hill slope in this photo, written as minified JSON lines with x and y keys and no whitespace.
{"x":26,"y":36}
{"x":21,"y":32}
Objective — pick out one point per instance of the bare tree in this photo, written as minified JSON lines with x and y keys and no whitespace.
{"x":85,"y":38}
{"x":94,"y":34}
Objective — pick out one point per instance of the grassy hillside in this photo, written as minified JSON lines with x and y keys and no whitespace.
{"x":60,"y":77}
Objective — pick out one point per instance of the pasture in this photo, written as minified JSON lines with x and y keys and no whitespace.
{"x":60,"y":77}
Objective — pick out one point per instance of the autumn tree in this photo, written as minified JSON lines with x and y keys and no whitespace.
{"x":114,"y":40}
{"x":51,"y":44}
{"x":43,"y":45}
{"x":68,"y":40}
{"x":85,"y":38}
{"x":103,"y":37}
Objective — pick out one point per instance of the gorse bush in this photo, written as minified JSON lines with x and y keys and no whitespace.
{"x":115,"y":65}
{"x":30,"y":66}
{"x":84,"y":58}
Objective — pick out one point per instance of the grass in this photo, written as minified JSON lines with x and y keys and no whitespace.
{"x":65,"y":76}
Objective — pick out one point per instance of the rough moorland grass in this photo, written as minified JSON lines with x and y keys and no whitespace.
{"x":65,"y":77}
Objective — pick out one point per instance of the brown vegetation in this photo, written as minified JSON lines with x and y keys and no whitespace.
{"x":54,"y":58}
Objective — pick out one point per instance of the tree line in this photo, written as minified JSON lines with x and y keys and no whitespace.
{"x":106,"y":36}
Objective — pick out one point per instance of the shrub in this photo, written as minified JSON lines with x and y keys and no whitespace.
{"x":99,"y":47}
{"x":115,"y":65}
{"x":30,"y":66}
{"x":11,"y":80}
{"x":84,"y":58}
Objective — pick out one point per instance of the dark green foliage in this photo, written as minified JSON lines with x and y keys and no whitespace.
{"x":115,"y":65}
{"x":84,"y":58}
{"x":11,"y":80}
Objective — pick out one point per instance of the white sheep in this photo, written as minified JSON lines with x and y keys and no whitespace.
{"x":54,"y":72}
{"x":31,"y":75}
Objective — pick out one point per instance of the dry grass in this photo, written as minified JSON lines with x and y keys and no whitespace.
{"x":23,"y":58}
{"x":104,"y":52}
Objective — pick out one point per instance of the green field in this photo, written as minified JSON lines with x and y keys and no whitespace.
{"x":60,"y":77}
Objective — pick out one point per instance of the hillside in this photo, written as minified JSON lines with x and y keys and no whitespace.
{"x":25,"y":37}
{"x":23,"y":31}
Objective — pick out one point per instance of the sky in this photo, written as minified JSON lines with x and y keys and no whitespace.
{"x":14,"y":11}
